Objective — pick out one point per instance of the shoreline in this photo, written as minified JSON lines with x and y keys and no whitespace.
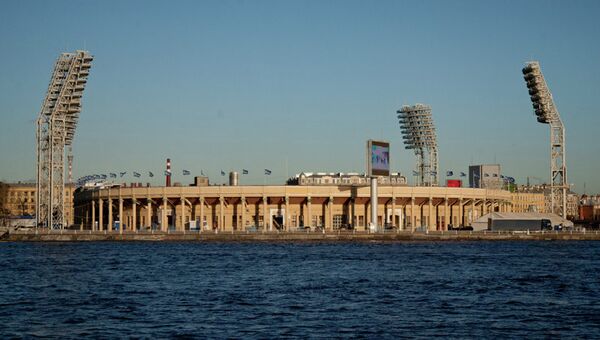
{"x":331,"y":236}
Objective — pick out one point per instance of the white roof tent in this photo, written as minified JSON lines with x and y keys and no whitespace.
{"x":518,"y":221}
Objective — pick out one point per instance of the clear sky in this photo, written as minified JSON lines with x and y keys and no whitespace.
{"x":301,"y":85}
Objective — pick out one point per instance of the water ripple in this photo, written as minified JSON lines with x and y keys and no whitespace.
{"x":294,"y":290}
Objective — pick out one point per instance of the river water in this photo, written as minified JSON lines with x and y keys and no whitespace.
{"x":273,"y":290}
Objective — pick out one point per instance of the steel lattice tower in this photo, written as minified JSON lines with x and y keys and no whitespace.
{"x":546,"y":112}
{"x":419,"y":135}
{"x":56,"y":125}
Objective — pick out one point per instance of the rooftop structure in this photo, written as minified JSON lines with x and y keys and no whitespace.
{"x":485,"y":176}
{"x":340,"y":178}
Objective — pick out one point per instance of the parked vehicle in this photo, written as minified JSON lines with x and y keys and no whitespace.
{"x":389,"y":226}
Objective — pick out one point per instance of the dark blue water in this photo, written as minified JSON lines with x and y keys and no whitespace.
{"x":149,"y":290}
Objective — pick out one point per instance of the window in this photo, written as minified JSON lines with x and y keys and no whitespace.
{"x":338,"y":220}
{"x":294,"y":220}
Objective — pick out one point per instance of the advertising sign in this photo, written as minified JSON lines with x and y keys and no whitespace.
{"x":378,"y":158}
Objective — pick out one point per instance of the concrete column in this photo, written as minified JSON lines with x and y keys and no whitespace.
{"x":287,"y":213}
{"x":308,"y":221}
{"x":352,"y":212}
{"x":374,"y":204}
{"x":472,"y":211}
{"x":330,"y":213}
{"x":110,"y":215}
{"x":460,"y":212}
{"x":134,"y":214}
{"x":100,"y":217}
{"x":437,"y":216}
{"x":413,"y":220}
{"x":403,"y":217}
{"x":430,"y":219}
{"x":87,"y":216}
{"x":367,"y":209}
{"x":221,"y":213}
{"x":484,"y":206}
{"x":266,"y":226}
{"x":242,"y":223}
{"x":201,"y":213}
{"x":93,"y":215}
{"x":393,"y":222}
{"x":421,"y":222}
{"x":149,"y":214}
{"x":182,"y":206}
{"x":446,"y":215}
{"x":164,"y":220}
{"x":121,"y":216}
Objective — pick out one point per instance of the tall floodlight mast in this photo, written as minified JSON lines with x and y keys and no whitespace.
{"x":418,"y":133}
{"x":546,"y":112}
{"x":56,"y":125}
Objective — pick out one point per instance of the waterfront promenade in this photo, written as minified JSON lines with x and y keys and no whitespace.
{"x":43,"y":235}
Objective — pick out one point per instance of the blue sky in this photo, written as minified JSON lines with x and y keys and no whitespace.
{"x":301,"y":85}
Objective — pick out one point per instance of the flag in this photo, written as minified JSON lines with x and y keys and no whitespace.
{"x":462,"y":174}
{"x":150,"y":174}
{"x":186,"y":172}
{"x":123,"y":173}
{"x":415,"y":173}
{"x":267,"y":172}
{"x":113,"y":175}
{"x":449,"y":173}
{"x":222,"y":173}
{"x":167,"y":173}
{"x":244,"y":172}
{"x":136,"y":174}
{"x":103,"y":176}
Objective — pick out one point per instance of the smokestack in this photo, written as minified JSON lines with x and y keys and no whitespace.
{"x":168,"y":172}
{"x":234,"y":178}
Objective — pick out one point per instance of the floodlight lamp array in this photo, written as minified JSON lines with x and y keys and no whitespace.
{"x":417,"y":127}
{"x":541,"y":98}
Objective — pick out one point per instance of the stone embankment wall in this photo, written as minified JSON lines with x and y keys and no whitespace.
{"x":67,"y":236}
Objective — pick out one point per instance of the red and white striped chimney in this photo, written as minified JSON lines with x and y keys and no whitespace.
{"x":168,"y":172}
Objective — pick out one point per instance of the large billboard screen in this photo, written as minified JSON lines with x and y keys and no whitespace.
{"x":378,"y":158}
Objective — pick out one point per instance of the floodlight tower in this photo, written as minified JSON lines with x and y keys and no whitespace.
{"x":546,"y":112}
{"x":56,"y":125}
{"x":419,"y":135}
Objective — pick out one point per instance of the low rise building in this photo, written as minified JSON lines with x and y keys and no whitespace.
{"x":340,"y":178}
{"x":572,"y":198}
{"x":589,"y":208}
{"x":528,"y":202}
{"x":19,"y":199}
